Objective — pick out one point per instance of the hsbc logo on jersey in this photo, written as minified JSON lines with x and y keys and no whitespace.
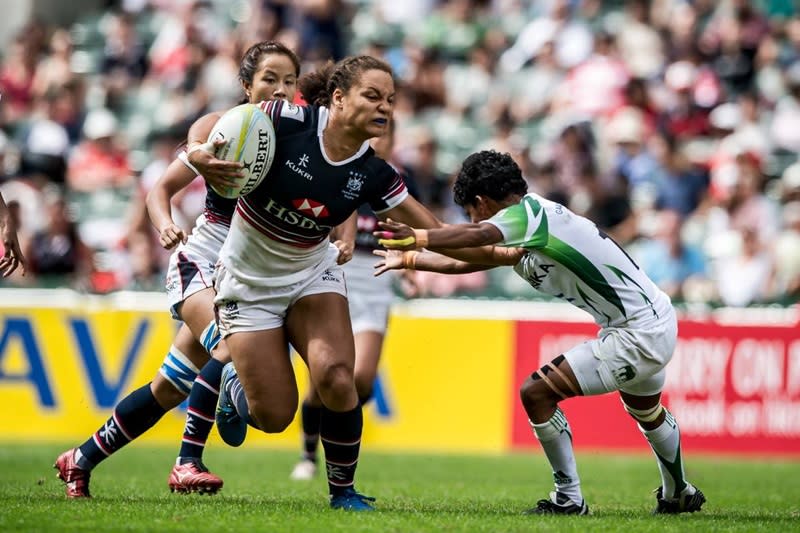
{"x":307,"y":206}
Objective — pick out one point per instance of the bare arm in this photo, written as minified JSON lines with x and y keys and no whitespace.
{"x":472,"y":243}
{"x":433,"y":262}
{"x":344,"y":238}
{"x":159,"y":203}
{"x":12,"y":254}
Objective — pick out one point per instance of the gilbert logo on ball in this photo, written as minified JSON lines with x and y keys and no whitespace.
{"x":250,"y":140}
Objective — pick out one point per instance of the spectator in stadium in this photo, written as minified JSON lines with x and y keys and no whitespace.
{"x":277,"y":279}
{"x":567,"y":257}
{"x":57,"y":249}
{"x":666,"y":259}
{"x":268,"y":70}
{"x":12,"y":255}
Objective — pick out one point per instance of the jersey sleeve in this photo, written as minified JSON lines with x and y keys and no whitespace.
{"x":523,"y":225}
{"x":392,"y":190}
{"x":286,"y":117}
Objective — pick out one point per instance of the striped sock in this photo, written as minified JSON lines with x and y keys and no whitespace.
{"x":133,"y":415}
{"x":665,"y":440}
{"x":310,"y":417}
{"x":200,"y":413}
{"x":341,"y":438}
{"x":239,"y":400}
{"x":555,"y":436}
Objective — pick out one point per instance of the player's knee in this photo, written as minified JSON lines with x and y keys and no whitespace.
{"x":364,"y":387}
{"x":270,"y":418}
{"x":335,"y":383}
{"x":535,"y":393}
{"x":649,"y":417}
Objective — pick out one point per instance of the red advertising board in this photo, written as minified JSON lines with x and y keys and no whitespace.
{"x":731,"y":387}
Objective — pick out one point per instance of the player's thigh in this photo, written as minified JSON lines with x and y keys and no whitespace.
{"x":319,"y":329}
{"x":621,"y":360}
{"x":197,"y":311}
{"x":265,"y":370}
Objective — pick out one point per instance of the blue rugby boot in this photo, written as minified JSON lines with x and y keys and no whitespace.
{"x":350,"y":500}
{"x":232,"y":427}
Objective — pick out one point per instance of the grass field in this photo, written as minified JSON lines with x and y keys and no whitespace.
{"x":415,"y":493}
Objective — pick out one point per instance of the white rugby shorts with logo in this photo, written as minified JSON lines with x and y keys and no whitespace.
{"x":631,"y":360}
{"x":244,"y":307}
{"x":368,"y":297}
{"x":191,"y":265}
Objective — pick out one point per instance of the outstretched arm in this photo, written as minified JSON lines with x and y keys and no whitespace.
{"x":12,"y":255}
{"x":472,"y":243}
{"x":433,"y":262}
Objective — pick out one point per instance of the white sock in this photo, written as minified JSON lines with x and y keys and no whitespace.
{"x":665,"y":440}
{"x":555,"y":436}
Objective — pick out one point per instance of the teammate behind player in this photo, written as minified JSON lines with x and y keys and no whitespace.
{"x":268,"y":70}
{"x":568,"y":257}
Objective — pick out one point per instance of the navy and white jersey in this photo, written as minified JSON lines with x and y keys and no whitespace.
{"x":218,"y":210}
{"x":280,"y":231}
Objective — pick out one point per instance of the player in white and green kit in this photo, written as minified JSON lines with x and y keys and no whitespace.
{"x":566,"y":256}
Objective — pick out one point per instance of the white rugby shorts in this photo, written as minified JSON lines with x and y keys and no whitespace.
{"x":368,"y":297}
{"x":191,"y":266}
{"x":241,"y":307}
{"x":625,"y":359}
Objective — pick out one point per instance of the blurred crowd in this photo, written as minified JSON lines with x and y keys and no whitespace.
{"x":673,"y":124}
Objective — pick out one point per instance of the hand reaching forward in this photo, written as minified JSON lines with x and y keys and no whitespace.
{"x":392,"y":260}
{"x":399,"y":236}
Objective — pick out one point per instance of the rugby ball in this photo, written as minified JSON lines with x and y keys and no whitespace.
{"x":249,"y":139}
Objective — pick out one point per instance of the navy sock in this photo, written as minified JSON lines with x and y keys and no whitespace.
{"x":310,"y":418}
{"x":133,"y":415}
{"x":200,"y":413}
{"x":341,"y":437}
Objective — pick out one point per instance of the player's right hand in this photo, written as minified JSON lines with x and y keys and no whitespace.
{"x":217,"y":172}
{"x":171,"y":235}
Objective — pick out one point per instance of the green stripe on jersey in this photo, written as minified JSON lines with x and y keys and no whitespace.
{"x":584,"y":269}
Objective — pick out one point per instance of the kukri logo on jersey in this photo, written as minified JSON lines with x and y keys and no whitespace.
{"x":298,"y":168}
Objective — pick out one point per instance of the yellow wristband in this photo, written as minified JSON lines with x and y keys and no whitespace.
{"x":410,"y":259}
{"x":397,"y":243}
{"x":421,"y":236}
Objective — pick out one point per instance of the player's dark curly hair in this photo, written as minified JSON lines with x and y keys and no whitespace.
{"x":488,"y":173}
{"x":318,"y":86}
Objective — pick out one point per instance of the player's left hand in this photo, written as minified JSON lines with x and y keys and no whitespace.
{"x":12,"y":254}
{"x":392,"y":260}
{"x":396,"y":235}
{"x":345,"y":251}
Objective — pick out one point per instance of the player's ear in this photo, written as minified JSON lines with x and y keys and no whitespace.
{"x":248,"y":87}
{"x":337,"y":98}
